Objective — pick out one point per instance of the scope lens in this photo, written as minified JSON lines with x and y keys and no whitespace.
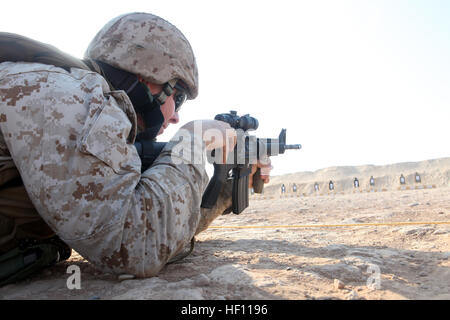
{"x":248,"y":123}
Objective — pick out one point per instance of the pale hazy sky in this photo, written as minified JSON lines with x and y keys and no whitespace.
{"x":355,"y":82}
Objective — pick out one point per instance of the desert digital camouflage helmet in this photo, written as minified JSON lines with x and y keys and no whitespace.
{"x":148,"y":46}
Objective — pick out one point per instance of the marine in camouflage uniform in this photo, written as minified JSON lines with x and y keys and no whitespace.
{"x":70,"y":136}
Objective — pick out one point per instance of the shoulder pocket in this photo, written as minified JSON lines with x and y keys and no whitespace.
{"x":109,"y":133}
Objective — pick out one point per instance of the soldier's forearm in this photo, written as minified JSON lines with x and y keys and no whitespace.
{"x":223,"y":205}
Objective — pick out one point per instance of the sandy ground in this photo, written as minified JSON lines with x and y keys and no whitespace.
{"x":352,"y":262}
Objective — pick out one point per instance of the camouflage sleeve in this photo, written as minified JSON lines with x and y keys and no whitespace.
{"x":222,"y":206}
{"x":71,"y":141}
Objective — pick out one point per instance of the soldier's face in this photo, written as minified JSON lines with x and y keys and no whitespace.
{"x":169,"y":113}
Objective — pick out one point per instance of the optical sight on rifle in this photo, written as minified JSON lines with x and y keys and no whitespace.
{"x":247,"y":152}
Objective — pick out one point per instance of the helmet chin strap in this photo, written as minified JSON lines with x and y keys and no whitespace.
{"x":144,"y":103}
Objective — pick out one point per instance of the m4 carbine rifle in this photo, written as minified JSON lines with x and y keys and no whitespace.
{"x":238,"y":166}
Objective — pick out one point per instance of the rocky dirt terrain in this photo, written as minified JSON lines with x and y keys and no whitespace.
{"x":270,"y":253}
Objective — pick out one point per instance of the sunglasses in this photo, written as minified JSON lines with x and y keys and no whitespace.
{"x":179,"y":97}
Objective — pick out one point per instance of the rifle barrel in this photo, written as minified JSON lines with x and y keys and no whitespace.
{"x":293,"y":146}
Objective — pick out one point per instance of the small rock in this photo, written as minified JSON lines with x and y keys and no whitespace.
{"x":445,"y":255}
{"x":414,"y":204}
{"x":124,"y":277}
{"x":421,"y":231}
{"x":265,"y":260}
{"x":342,"y":271}
{"x":201,"y":280}
{"x":423,"y":274}
{"x":352,"y":295}
{"x":325,"y":298}
{"x":411,"y":231}
{"x":441,"y":212}
{"x":288,"y":268}
{"x":338,"y":284}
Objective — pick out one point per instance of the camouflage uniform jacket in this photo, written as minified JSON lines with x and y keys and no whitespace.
{"x":71,"y":139}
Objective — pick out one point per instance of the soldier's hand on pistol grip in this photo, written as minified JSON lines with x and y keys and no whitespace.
{"x":260,"y":175}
